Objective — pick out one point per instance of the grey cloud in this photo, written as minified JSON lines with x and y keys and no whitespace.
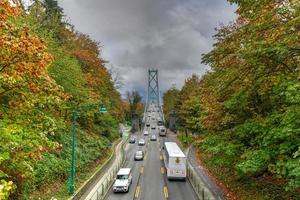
{"x":169,"y":35}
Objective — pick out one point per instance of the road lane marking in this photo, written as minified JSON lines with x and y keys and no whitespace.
{"x":166,"y":192}
{"x":162,"y":170}
{"x":137,"y":191}
{"x":142,"y":170}
{"x":160,"y":157}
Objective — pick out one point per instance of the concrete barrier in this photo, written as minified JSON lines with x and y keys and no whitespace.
{"x":101,"y":189}
{"x":201,"y":190}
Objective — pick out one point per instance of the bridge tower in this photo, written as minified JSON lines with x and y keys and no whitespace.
{"x":153,"y":89}
{"x":153,"y":95}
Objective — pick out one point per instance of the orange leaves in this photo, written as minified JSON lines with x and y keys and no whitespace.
{"x":8,"y":10}
{"x":23,"y":61}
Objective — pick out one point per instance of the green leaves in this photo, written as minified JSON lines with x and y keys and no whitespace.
{"x":248,"y":104}
{"x":254,"y":162}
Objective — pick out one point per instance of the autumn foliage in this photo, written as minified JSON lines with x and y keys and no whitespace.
{"x":247,"y":108}
{"x":46,"y":70}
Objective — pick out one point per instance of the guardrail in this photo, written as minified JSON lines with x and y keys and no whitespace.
{"x":201,"y":190}
{"x":102,"y":190}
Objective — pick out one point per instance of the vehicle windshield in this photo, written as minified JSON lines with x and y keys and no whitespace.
{"x":122,"y":177}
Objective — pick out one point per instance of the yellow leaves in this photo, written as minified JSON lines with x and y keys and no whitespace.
{"x":5,"y":188}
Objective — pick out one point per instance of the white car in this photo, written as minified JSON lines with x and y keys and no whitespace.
{"x":123,"y":180}
{"x":141,"y":142}
{"x":146,"y":133}
{"x":139,"y":155}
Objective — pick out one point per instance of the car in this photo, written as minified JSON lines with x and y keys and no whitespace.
{"x":153,"y":127}
{"x":160,"y":123}
{"x":153,"y":138}
{"x":141,"y":142}
{"x":139,"y":155}
{"x":162,"y":131}
{"x":123,"y":180}
{"x":146,"y":133}
{"x":148,"y":125}
{"x":132,"y":140}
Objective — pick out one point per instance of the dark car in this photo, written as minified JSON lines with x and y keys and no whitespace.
{"x":132,"y":140}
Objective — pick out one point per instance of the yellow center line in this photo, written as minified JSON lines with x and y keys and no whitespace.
{"x":160,"y":157}
{"x":142,"y":170}
{"x":137,"y":191}
{"x":166,"y":192}
{"x":162,"y":170}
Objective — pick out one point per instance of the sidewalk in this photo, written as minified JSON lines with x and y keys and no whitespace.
{"x":216,"y":191}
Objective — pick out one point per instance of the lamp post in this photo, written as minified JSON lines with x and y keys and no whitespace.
{"x":73,"y":130}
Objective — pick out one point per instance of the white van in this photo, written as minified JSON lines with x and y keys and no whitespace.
{"x":146,"y":133}
{"x":123,"y":180}
{"x":175,"y":161}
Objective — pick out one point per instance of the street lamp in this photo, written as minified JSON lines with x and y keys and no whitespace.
{"x":73,"y":130}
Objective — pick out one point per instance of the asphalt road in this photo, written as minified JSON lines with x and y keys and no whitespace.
{"x":149,"y":179}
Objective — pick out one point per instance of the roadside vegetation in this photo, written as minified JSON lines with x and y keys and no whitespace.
{"x":47,"y":69}
{"x":246,"y":109}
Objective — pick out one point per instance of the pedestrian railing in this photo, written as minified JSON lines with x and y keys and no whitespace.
{"x":201,"y":190}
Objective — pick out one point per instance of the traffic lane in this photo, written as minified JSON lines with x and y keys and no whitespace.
{"x":178,"y":189}
{"x":135,"y":167}
{"x":152,"y":180}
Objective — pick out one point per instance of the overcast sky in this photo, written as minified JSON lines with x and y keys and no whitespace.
{"x":169,"y":35}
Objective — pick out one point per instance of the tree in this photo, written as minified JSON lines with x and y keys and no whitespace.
{"x":136,"y":107}
{"x":25,"y":90}
{"x":170,"y":99}
{"x":247,"y":97}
